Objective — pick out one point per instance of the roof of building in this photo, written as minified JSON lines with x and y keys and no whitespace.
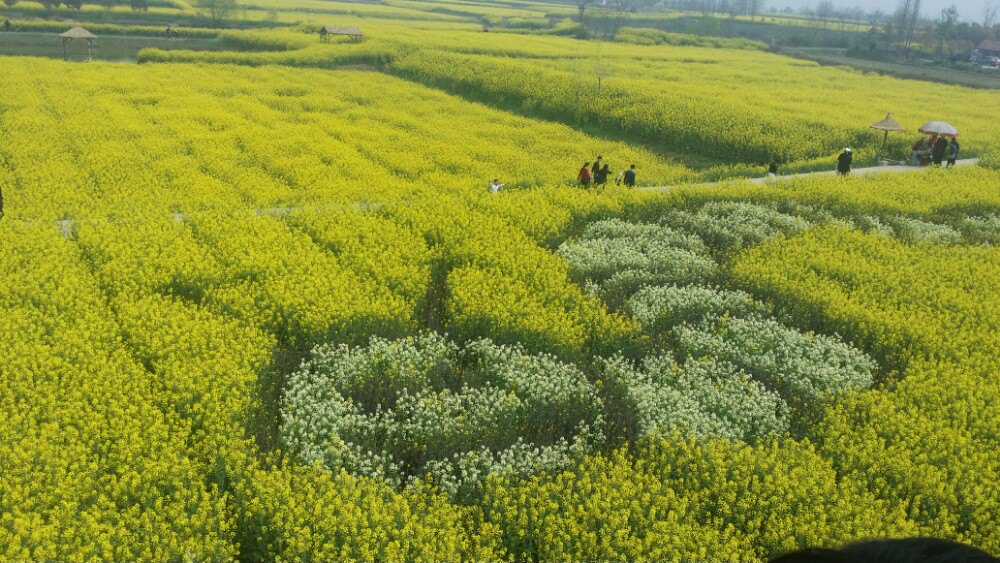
{"x":888,"y":124}
{"x":78,"y":33}
{"x":989,"y":45}
{"x":342,"y":30}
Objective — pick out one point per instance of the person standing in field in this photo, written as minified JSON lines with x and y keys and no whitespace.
{"x":584,"y":175}
{"x":952,"y":152}
{"x":1,"y":203}
{"x":628,"y":177}
{"x":495,"y":185}
{"x":844,"y":162}
{"x":940,"y":146}
{"x":597,"y":167}
{"x":601,"y":175}
{"x":772,"y":169}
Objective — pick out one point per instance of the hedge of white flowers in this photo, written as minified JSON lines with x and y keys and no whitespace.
{"x":615,"y":259}
{"x":422,"y":405}
{"x":659,"y":309}
{"x":730,"y":224}
{"x":702,"y":397}
{"x":797,"y":365}
{"x":982,"y":228}
{"x":911,"y":229}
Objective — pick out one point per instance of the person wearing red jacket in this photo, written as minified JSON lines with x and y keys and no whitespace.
{"x":584,"y":176}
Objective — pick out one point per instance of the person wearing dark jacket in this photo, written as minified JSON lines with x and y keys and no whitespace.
{"x":844,"y":162}
{"x":596,"y":167}
{"x":952,"y":152}
{"x":937,"y":155}
{"x":1,"y":203}
{"x":628,"y":177}
{"x":601,"y":176}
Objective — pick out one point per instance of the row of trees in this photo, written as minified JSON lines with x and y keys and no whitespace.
{"x":217,"y":11}
{"x":138,"y":5}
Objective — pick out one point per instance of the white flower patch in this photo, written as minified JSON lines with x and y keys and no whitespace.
{"x":659,"y":309}
{"x":916,"y":230}
{"x":799,"y":366}
{"x":727,"y":224}
{"x":703,"y":398}
{"x":402,"y":409}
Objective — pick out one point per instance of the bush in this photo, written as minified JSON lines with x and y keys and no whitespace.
{"x":916,"y":230}
{"x":703,"y":398}
{"x":617,"y":259}
{"x":659,"y":309}
{"x":797,"y":365}
{"x":730,"y":224}
{"x":400,"y":409}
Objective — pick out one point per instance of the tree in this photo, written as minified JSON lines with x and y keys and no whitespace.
{"x":824,"y":11}
{"x":990,"y":9}
{"x":609,"y":17}
{"x":944,"y":29}
{"x":913,"y":23}
{"x":10,"y":3}
{"x":900,"y":19}
{"x":218,"y":10}
{"x":581,"y":6}
{"x":755,"y":7}
{"x":75,"y":4}
{"x":601,"y":68}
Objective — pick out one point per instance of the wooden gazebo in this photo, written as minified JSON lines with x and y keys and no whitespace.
{"x":351,"y":31}
{"x":78,"y":33}
{"x":887,"y":124}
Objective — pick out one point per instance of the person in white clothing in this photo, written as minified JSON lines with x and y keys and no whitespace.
{"x":495,"y":185}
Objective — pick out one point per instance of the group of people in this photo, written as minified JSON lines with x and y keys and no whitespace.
{"x":598,"y":173}
{"x":934,"y":149}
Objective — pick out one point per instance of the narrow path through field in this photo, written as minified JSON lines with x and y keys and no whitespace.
{"x":768,"y":179}
{"x":66,"y":226}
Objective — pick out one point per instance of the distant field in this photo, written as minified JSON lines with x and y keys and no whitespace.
{"x":989,"y":79}
{"x":259,"y":303}
{"x":109,"y":47}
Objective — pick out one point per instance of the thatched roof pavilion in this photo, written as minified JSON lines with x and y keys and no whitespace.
{"x":351,"y":31}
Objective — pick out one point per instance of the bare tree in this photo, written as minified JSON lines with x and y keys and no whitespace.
{"x":824,"y":11}
{"x":913,"y":23}
{"x":900,"y":19}
{"x":581,"y":6}
{"x":610,"y":15}
{"x":601,"y":68}
{"x":755,"y":7}
{"x":990,"y":9}
{"x":218,"y":10}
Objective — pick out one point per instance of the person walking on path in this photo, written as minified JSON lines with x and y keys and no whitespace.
{"x":601,"y":176}
{"x":772,"y":169}
{"x":597,"y":167}
{"x":844,"y":162}
{"x":940,"y":146}
{"x":952,"y":152}
{"x":495,"y":185}
{"x":584,"y":175}
{"x":627,"y":177}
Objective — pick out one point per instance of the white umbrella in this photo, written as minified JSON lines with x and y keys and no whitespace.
{"x":939,"y":128}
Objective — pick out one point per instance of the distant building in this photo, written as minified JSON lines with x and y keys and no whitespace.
{"x":349,"y":30}
{"x":988,"y":49}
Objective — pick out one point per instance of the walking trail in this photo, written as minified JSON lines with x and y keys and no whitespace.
{"x":899,"y":169}
{"x":66,"y":226}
